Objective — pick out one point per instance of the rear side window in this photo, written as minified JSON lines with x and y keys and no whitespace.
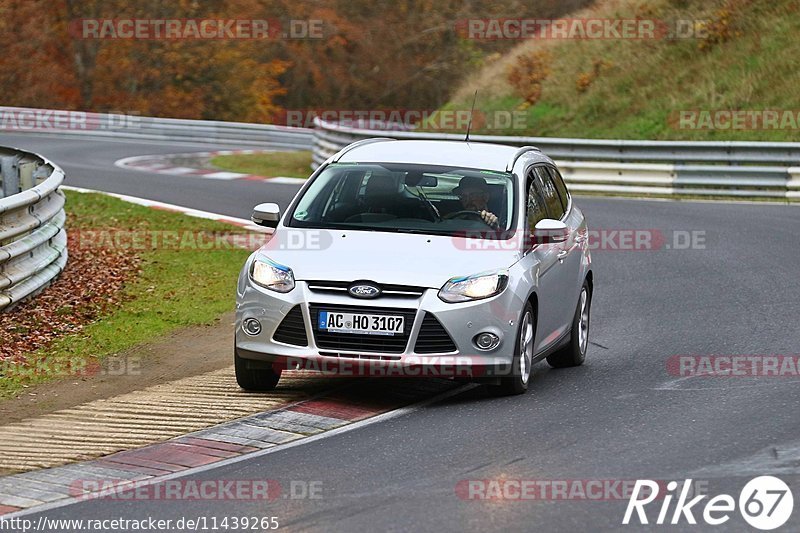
{"x":535,"y":206}
{"x":550,"y":194}
{"x":560,"y":186}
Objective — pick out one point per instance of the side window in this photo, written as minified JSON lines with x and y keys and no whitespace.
{"x":535,"y":206}
{"x":560,"y":187}
{"x":551,"y":199}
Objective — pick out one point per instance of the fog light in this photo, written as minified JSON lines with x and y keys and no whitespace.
{"x":486,"y":341}
{"x":251,"y":326}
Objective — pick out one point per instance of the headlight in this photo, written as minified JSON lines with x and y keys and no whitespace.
{"x":271,"y":275}
{"x":474,"y":287}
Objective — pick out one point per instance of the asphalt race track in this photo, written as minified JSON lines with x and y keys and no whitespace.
{"x":89,"y":163}
{"x":624,"y":415}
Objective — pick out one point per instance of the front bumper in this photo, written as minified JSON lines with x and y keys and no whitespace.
{"x":462,"y":322}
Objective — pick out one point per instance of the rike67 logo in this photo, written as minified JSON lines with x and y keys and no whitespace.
{"x":765,"y":503}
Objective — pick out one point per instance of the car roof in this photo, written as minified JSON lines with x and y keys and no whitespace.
{"x":462,"y":154}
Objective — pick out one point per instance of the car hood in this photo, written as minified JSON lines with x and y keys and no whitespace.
{"x":396,"y":258}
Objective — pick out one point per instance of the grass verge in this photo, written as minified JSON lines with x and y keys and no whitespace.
{"x":186,"y":276}
{"x":270,"y":164}
{"x":737,"y":55}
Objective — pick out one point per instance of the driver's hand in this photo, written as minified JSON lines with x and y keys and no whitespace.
{"x":490,"y":218}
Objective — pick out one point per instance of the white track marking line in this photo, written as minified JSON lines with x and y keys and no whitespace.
{"x":224,"y":175}
{"x":178,"y":170}
{"x":243,"y":223}
{"x":283,"y":179}
{"x":128,"y":162}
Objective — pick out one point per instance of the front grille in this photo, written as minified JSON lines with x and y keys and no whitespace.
{"x":340,"y":287}
{"x":433,"y":338}
{"x":292,"y":330}
{"x":368,"y":357}
{"x":362,"y":342}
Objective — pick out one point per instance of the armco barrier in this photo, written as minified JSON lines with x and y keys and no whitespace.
{"x":33,"y":241}
{"x":662,"y":168}
{"x":127,"y":126}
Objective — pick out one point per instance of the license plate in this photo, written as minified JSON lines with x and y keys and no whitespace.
{"x":335,"y":322}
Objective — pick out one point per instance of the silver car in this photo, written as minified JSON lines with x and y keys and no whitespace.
{"x":425,"y":258}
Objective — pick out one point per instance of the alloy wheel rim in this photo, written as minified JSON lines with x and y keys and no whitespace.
{"x":583,"y":322}
{"x":526,"y":348}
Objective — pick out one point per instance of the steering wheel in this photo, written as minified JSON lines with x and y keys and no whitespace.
{"x":466,"y":214}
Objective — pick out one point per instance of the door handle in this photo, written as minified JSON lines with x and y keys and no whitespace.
{"x":562,"y":255}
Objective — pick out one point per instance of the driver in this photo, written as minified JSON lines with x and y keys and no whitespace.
{"x":473,"y":193}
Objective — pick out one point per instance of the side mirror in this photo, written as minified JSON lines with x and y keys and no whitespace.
{"x":549,"y":231}
{"x":267,"y":215}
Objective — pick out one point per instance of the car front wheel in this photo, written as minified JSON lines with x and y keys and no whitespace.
{"x":255,"y":376}
{"x":517,"y":381}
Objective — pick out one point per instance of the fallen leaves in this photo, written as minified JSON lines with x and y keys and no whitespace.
{"x":90,"y":285}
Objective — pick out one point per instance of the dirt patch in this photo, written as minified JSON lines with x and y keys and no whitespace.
{"x":183,"y":353}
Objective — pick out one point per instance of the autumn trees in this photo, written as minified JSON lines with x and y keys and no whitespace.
{"x":370,"y":54}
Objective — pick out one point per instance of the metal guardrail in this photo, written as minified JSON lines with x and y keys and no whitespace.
{"x":33,"y":241}
{"x":122,"y":126}
{"x":662,"y":168}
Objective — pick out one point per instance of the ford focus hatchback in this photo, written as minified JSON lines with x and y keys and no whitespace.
{"x":425,"y":258}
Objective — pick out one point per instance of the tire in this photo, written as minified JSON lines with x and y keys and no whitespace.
{"x":255,"y":376}
{"x":574,"y":353}
{"x":517,"y":382}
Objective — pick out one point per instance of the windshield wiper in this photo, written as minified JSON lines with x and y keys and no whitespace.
{"x":421,"y":231}
{"x":424,"y":199}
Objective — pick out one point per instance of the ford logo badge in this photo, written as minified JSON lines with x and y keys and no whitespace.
{"x":364,"y":290}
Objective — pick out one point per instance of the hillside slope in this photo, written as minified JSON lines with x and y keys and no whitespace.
{"x":745,"y":59}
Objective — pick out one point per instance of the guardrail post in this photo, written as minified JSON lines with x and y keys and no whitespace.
{"x":793,"y":183}
{"x":26,"y":170}
{"x":10,"y":171}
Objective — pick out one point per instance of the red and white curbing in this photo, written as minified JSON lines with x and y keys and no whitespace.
{"x":162,"y":164}
{"x":227,"y":443}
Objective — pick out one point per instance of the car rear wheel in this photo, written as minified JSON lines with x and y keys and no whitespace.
{"x":574,"y":353}
{"x":255,"y":376}
{"x":520,"y":376}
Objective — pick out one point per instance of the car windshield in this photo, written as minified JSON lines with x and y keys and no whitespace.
{"x":396,"y":197}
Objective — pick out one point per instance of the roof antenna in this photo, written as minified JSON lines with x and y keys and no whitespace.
{"x":469,"y":124}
